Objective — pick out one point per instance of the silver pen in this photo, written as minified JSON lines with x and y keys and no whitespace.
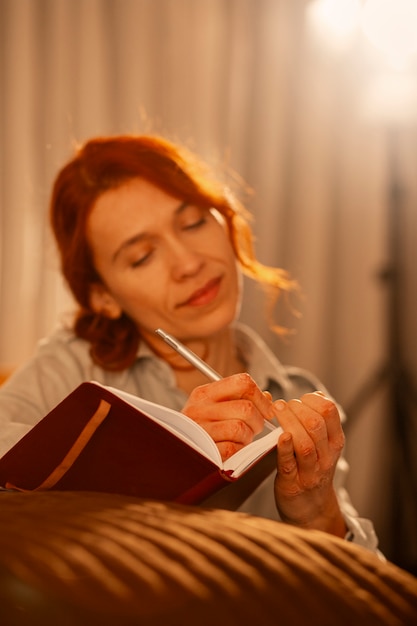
{"x":195,"y":360}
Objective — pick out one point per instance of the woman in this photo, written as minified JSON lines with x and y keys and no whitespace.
{"x":148,"y":239}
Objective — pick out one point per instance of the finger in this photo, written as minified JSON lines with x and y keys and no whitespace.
{"x":291,"y":416}
{"x":287,"y":464}
{"x":314,"y":425}
{"x":327,"y":408}
{"x":236,"y":387}
{"x":304,"y":446}
{"x":230,"y":437}
{"x":227,"y":449}
{"x":318,"y":421}
{"x":242,"y":411}
{"x":233,"y":430}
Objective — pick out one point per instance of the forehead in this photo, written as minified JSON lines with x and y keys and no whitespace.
{"x":137,"y":196}
{"x":134,"y":210}
{"x":136,"y":205}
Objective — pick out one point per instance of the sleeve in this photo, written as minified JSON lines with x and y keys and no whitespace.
{"x":360,"y":530}
{"x":34,"y":389}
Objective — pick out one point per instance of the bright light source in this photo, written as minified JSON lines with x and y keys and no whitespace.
{"x":390,"y":98}
{"x":335,"y":20}
{"x":391,"y":25}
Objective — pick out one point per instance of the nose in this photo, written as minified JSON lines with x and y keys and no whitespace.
{"x":184,"y":261}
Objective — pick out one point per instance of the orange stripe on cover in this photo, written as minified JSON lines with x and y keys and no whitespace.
{"x":75,"y":450}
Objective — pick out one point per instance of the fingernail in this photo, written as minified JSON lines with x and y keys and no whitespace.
{"x":280,"y":405}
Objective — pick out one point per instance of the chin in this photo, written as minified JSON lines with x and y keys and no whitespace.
{"x":216,"y":323}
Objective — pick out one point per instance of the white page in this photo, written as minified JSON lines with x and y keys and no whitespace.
{"x":196,"y":437}
{"x":250,"y":453}
{"x":185,"y":428}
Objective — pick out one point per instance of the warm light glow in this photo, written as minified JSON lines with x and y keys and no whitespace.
{"x":390,"y":98}
{"x":391,"y":25}
{"x":335,"y":20}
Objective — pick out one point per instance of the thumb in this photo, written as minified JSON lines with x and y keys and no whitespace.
{"x":287,"y":464}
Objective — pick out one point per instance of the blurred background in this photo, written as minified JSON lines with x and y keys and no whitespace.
{"x":312,"y":105}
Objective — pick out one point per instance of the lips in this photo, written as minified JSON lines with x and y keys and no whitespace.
{"x":205,"y":295}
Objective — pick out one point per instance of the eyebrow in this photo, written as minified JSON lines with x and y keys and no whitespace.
{"x":138,"y":237}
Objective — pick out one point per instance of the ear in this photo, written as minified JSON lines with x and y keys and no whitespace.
{"x":103,"y":303}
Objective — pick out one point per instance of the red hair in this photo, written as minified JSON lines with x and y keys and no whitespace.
{"x":106,"y":163}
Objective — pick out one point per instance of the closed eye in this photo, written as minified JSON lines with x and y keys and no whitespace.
{"x":142,"y":260}
{"x":196,"y":224}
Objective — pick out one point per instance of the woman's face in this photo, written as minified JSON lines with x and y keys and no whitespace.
{"x":165,"y":263}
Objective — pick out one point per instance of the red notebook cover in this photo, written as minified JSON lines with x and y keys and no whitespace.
{"x":127,"y":453}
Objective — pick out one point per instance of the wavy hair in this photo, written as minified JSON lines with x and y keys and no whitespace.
{"x":105,"y":163}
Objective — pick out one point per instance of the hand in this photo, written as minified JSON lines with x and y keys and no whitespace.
{"x":231,"y":410}
{"x":308,"y":451}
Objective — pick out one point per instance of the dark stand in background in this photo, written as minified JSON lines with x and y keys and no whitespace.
{"x":394,"y":377}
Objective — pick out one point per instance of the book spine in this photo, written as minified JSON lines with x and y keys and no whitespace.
{"x":206,"y":487}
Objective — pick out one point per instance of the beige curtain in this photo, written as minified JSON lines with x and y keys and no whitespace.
{"x":248,"y":85}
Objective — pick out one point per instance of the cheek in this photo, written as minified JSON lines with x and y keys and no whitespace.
{"x":229,"y":259}
{"x":238,"y":286}
{"x":235,"y":270}
{"x":140,"y":298}
{"x":150,"y":302}
{"x":223,"y":244}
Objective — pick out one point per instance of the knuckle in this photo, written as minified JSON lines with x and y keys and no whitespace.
{"x":247,"y":382}
{"x":314,"y":423}
{"x":250,"y":417}
{"x":339,"y":442}
{"x":306,"y":450}
{"x":246,"y":409}
{"x":331,"y":409}
{"x":285,"y":469}
{"x":240,"y":431}
{"x":199,"y":393}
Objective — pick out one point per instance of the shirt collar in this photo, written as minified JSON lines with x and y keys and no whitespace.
{"x":262,"y":364}
{"x":260,"y":361}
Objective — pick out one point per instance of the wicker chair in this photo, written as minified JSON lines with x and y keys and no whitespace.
{"x":87,"y":559}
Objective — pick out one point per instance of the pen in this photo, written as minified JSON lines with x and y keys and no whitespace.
{"x":195,"y":360}
{"x":189,"y":355}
